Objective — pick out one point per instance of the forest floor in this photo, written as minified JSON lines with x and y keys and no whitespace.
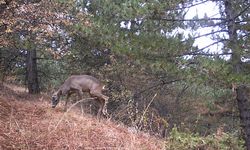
{"x":29,"y":122}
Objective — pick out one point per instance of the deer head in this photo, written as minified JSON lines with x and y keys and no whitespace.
{"x":56,"y":98}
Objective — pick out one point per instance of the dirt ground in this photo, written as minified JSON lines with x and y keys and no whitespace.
{"x":29,"y":122}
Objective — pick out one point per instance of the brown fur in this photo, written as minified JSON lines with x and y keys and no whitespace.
{"x":83,"y":83}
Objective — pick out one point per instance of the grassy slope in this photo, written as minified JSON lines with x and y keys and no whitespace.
{"x":28,"y":122}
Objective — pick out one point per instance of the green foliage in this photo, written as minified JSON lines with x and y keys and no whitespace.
{"x":189,"y":141}
{"x":141,"y":54}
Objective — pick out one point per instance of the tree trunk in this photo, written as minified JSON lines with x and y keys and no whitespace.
{"x":232,"y":33}
{"x":243,"y":99}
{"x":242,"y":91}
{"x":31,"y":72}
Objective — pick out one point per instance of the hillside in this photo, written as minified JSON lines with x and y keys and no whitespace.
{"x":28,"y":122}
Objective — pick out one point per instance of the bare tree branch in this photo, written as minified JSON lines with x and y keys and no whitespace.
{"x":210,"y":54}
{"x":192,"y":5}
{"x":209,"y":34}
{"x":189,"y":20}
{"x":198,"y":51}
{"x":245,"y":9}
{"x":159,"y":84}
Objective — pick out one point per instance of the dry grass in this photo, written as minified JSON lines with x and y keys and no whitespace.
{"x":28,"y":122}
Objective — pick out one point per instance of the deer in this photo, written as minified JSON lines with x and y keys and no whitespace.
{"x":79,"y":84}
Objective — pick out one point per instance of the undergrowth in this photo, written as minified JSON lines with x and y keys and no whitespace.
{"x":190,"y":141}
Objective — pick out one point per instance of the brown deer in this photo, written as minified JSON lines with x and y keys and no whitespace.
{"x":79,"y":84}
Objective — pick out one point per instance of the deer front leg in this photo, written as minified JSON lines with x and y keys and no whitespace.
{"x":66,"y":102}
{"x":80,"y":94}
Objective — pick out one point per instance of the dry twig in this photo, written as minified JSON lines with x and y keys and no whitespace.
{"x":82,"y":100}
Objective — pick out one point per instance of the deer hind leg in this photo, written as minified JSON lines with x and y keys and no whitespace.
{"x":101,"y":106}
{"x":103,"y":100}
{"x":104,"y":109}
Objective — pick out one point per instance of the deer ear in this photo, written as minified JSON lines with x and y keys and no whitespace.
{"x":52,"y":91}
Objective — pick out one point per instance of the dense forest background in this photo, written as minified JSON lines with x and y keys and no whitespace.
{"x":157,"y":81}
